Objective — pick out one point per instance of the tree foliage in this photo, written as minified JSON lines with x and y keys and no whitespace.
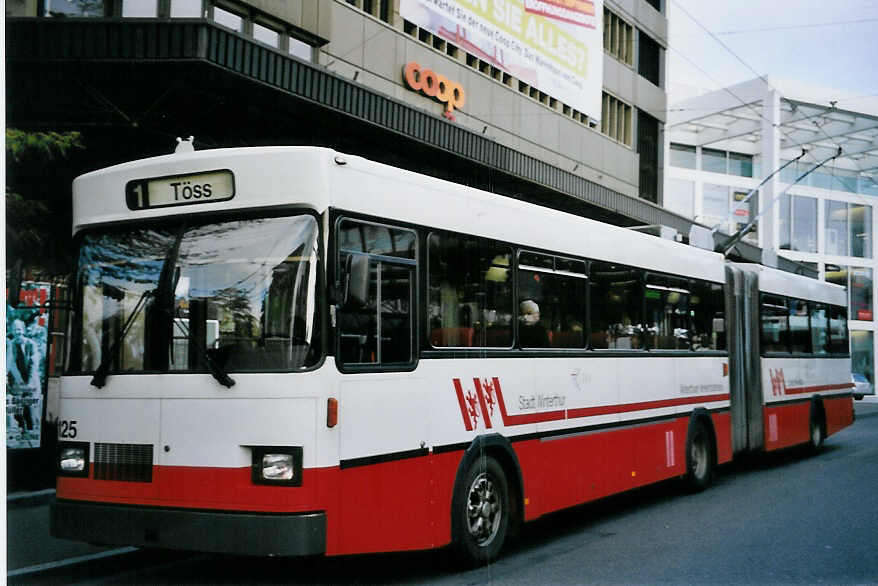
{"x":37,"y":211}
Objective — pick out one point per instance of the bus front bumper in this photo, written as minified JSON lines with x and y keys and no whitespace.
{"x":263,"y":534}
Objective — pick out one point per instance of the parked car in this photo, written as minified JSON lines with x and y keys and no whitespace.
{"x":862,"y":386}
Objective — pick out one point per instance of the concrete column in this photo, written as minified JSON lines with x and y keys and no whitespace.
{"x":770,"y":162}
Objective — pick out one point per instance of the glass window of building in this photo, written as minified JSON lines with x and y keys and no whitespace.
{"x":867,"y":185}
{"x":715,"y":201}
{"x":862,"y":359}
{"x":743,"y":211}
{"x":784,"y":229}
{"x":140,"y":8}
{"x":740,"y":164}
{"x":861,"y":294}
{"x":263,"y":34}
{"x":229,"y":19}
{"x":713,"y":160}
{"x":76,"y":9}
{"x":186,"y":8}
{"x":648,"y":58}
{"x":837,"y":228}
{"x":804,"y":224}
{"x":680,"y":197}
{"x":682,"y":155}
{"x":860,"y":223}
{"x":303,"y":51}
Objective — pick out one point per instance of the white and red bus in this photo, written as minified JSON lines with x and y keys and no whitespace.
{"x":291,"y":351}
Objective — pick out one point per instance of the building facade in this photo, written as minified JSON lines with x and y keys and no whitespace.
{"x":767,"y":135}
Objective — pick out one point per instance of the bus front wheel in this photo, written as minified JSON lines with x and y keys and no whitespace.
{"x":480,"y":519}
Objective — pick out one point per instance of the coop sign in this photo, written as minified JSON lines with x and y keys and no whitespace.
{"x":207,"y":187}
{"x":436,"y":86}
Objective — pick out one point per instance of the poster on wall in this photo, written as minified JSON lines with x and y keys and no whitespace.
{"x":555,"y":46}
{"x":27,"y":341}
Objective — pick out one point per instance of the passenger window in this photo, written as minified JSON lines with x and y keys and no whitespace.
{"x":469,"y":292}
{"x":819,"y":328}
{"x":377,"y":273}
{"x":616,"y":301}
{"x":775,"y":329}
{"x":800,"y":338}
{"x":667,"y":313}
{"x":551,"y":301}
{"x":707,"y":307}
{"x":838,"y":329}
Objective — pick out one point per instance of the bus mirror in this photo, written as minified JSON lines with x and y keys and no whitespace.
{"x":357,"y":282}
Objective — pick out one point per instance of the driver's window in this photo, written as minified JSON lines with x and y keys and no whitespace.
{"x":376,"y":272}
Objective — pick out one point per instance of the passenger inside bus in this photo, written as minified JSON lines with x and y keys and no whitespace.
{"x":531,"y":333}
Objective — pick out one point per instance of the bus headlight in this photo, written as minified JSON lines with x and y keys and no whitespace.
{"x":277,"y":465}
{"x":73,"y":459}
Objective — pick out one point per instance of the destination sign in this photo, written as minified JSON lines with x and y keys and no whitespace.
{"x":211,"y":186}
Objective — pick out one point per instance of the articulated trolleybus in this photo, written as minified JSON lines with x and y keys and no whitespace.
{"x":290,"y":351}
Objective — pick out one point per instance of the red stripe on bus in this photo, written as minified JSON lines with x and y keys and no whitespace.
{"x":626,"y":408}
{"x":817,"y":388}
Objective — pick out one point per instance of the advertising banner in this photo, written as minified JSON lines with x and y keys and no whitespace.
{"x":27,"y":341}
{"x":555,"y":46}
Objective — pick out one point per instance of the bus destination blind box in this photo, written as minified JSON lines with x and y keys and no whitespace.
{"x":211,"y":186}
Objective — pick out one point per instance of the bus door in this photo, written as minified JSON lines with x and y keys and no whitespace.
{"x":742,"y":301}
{"x":383,"y":421}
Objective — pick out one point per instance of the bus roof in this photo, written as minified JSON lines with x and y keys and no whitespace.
{"x":788,"y":284}
{"x":319,"y":178}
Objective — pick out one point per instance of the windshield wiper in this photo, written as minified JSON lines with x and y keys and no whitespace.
{"x":215,"y":369}
{"x":100,"y":376}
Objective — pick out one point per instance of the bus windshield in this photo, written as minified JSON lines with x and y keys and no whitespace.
{"x":239,"y":296}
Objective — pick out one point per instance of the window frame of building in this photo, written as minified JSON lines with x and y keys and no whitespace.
{"x":618,"y":38}
{"x":616,"y":119}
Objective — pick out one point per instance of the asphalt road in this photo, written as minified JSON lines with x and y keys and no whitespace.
{"x":786,"y":518}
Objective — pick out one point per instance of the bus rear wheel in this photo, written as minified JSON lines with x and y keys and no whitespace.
{"x":699,"y":457}
{"x":480,"y":519}
{"x":815,"y":434}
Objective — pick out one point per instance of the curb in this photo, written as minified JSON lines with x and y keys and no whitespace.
{"x":37,"y":498}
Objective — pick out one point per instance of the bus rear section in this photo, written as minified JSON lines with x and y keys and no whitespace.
{"x":789,"y":359}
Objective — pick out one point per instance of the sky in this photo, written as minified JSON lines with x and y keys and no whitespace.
{"x":831,"y":43}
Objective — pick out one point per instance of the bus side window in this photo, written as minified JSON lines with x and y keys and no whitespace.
{"x":819,"y":328}
{"x":800,"y":337}
{"x":469,"y":300}
{"x":667,"y":313}
{"x":838,"y":329}
{"x":377,"y":265}
{"x":551,"y":301}
{"x":775,"y":326}
{"x":616,"y":299}
{"x":707,"y":306}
